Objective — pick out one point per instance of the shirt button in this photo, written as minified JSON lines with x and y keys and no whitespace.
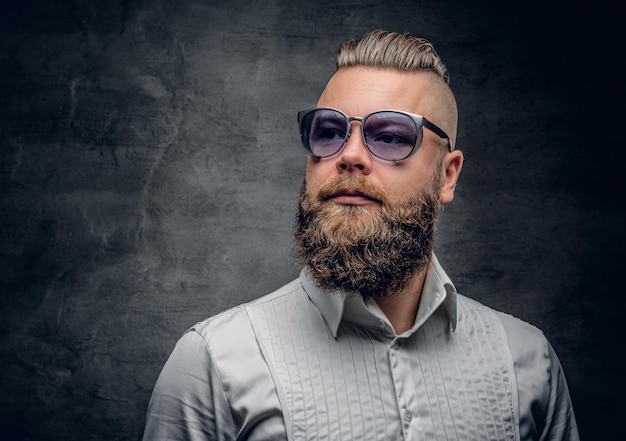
{"x":408,"y":415}
{"x":381,"y":324}
{"x":395,"y":346}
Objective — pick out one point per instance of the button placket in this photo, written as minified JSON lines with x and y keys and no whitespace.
{"x":408,"y":416}
{"x":399,"y":350}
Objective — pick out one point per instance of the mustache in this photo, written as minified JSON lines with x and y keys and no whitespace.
{"x":352,"y":184}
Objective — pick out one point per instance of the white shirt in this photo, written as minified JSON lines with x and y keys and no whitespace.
{"x":304,"y":364}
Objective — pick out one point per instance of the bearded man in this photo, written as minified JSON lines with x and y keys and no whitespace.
{"x":372,"y":341}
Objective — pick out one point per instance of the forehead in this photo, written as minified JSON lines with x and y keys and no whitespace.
{"x":359,"y":90}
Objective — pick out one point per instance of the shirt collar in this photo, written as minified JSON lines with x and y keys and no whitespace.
{"x":337,"y":306}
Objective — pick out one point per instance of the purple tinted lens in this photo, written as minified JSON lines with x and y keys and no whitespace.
{"x":391,"y":135}
{"x":326,"y":130}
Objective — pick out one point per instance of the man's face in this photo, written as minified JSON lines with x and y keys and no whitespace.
{"x":365,"y":224}
{"x":358,"y":91}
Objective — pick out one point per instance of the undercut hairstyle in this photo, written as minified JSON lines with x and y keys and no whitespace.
{"x":392,"y":50}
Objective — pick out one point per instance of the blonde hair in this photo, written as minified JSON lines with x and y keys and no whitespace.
{"x":392,"y":50}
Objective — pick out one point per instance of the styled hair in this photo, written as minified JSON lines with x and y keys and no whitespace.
{"x":392,"y":50}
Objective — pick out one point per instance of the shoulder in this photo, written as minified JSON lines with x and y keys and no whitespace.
{"x":530,"y":352}
{"x":522,"y":336}
{"x":214,"y":378}
{"x":543,"y":400}
{"x":228,"y":327}
{"x":234,"y":354}
{"x":230,"y":336}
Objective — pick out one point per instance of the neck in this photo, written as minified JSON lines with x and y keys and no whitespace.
{"x":401,"y":308}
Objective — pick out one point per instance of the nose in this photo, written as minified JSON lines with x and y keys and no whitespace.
{"x":354,"y":155}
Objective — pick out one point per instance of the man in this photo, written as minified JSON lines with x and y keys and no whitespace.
{"x":372,"y":341}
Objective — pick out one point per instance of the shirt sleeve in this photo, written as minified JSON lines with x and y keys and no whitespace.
{"x":544,"y":404}
{"x":560,"y":423}
{"x":188,"y":402}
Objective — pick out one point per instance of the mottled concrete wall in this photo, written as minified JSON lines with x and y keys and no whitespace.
{"x":149,"y":167}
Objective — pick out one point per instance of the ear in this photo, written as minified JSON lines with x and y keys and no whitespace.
{"x":452,"y":164}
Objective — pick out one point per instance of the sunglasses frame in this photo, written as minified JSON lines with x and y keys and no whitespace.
{"x":419,"y":121}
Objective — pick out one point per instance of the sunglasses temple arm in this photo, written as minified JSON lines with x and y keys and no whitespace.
{"x":432,"y":127}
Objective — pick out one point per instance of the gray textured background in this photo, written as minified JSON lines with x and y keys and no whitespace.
{"x":149,"y":168}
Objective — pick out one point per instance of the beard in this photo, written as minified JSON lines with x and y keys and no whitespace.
{"x":373,"y":250}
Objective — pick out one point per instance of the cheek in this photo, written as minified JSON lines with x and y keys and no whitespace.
{"x":317,"y":173}
{"x":312,"y":185}
{"x":310,"y":188}
{"x":404,"y":186}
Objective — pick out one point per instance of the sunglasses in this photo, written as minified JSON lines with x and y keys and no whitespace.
{"x":390,"y":135}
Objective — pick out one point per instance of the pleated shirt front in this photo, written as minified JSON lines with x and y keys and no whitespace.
{"x":304,"y":364}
